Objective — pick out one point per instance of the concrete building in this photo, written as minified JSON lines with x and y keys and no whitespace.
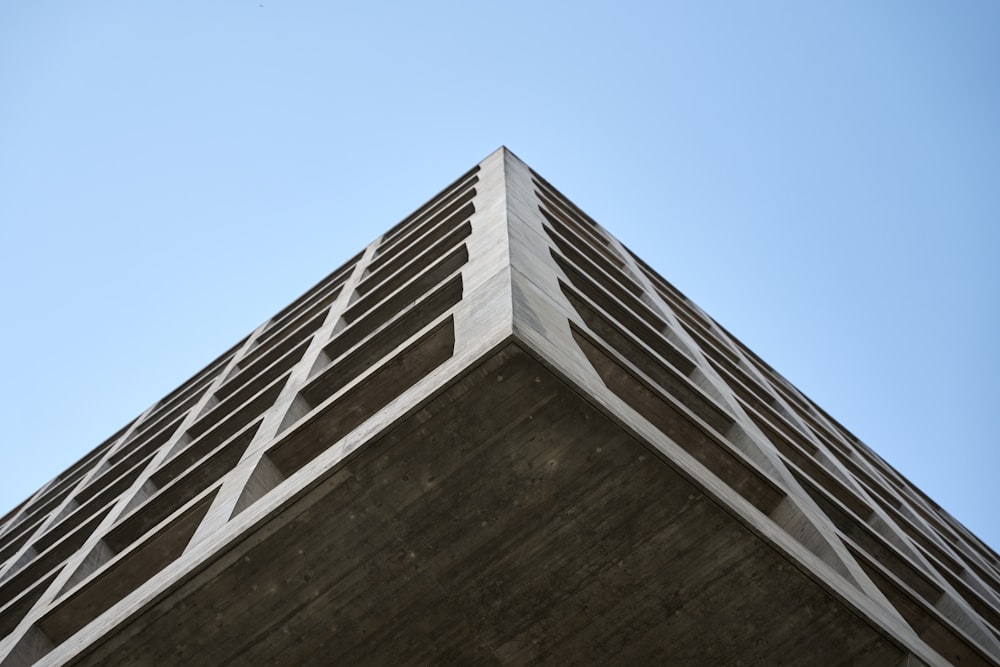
{"x":495,"y":436}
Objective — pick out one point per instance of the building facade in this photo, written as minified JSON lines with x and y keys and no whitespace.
{"x":495,"y":436}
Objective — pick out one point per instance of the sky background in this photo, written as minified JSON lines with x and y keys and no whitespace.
{"x":822,"y":178}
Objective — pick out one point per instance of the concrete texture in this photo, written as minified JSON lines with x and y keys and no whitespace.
{"x":494,"y":436}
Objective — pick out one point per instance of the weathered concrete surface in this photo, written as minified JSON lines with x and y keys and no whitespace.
{"x":505,"y":522}
{"x":377,"y":474}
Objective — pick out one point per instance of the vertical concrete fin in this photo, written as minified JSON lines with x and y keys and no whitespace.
{"x":486,"y":277}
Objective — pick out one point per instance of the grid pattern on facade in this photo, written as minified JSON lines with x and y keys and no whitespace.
{"x":404,"y":320}
{"x":128,"y":509}
{"x":768,"y":437}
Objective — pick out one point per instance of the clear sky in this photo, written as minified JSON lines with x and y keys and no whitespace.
{"x":822,"y":178}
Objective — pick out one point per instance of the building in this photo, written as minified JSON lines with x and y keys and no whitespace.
{"x":495,"y":436}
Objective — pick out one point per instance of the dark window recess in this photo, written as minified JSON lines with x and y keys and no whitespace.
{"x":467,"y":180}
{"x":52,"y":558}
{"x":334,"y":280}
{"x":616,"y":313}
{"x":668,"y":418}
{"x":406,"y":252}
{"x":314,"y":314}
{"x":184,"y":478}
{"x":346,"y":413}
{"x":437,"y":302}
{"x":228,"y":423}
{"x":123,"y":576}
{"x":380,"y":285}
{"x":261,"y":374}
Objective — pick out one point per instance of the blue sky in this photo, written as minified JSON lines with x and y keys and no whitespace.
{"x":822,"y":178}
